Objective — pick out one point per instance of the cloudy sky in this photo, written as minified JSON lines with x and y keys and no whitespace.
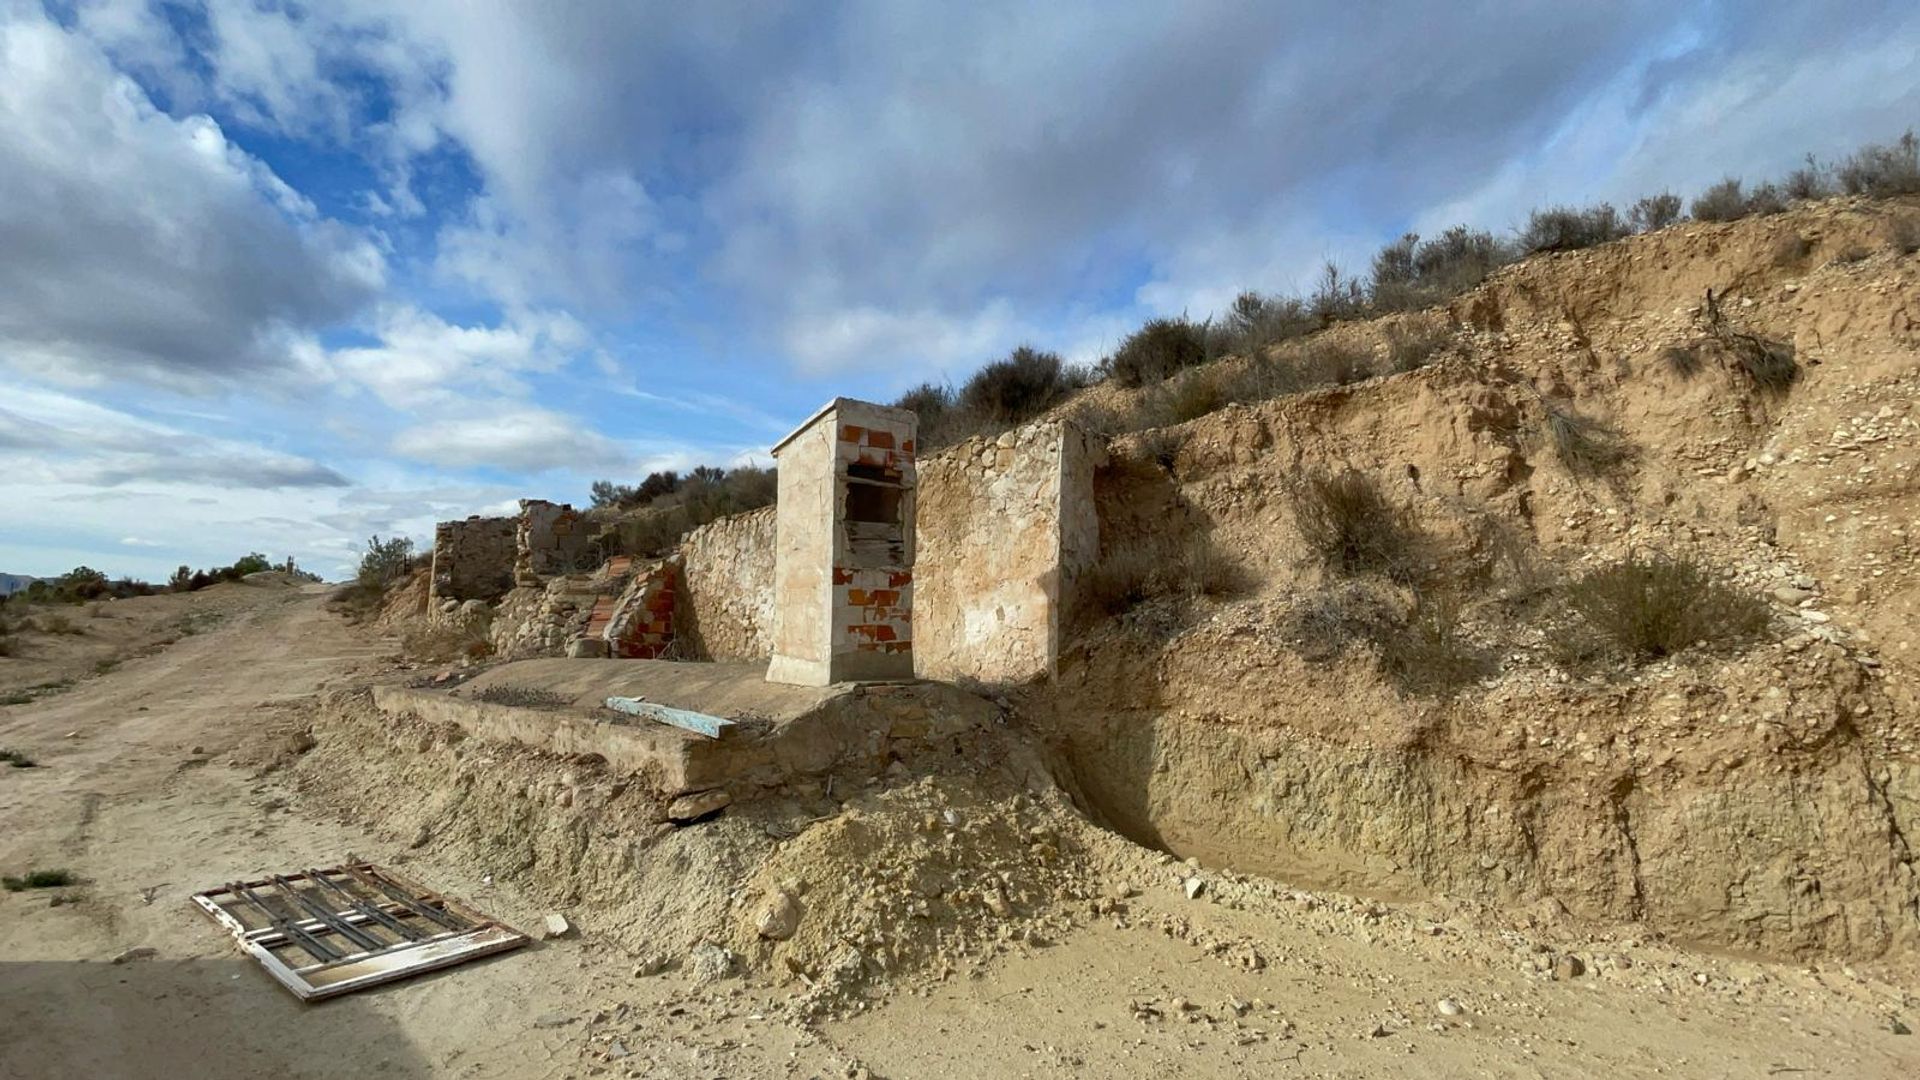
{"x":277,"y":275}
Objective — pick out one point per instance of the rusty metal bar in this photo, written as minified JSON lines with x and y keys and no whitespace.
{"x":375,"y":881}
{"x":371,"y":911}
{"x":330,"y":918}
{"x":314,"y":945}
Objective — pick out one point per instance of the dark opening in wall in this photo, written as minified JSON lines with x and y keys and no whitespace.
{"x":873,"y":502}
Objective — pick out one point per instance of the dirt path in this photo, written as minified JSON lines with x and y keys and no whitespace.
{"x":141,"y":795}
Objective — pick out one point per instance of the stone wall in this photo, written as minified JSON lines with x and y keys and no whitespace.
{"x":1005,"y":525}
{"x":473,"y":559}
{"x":725,"y":607}
{"x":551,"y":538}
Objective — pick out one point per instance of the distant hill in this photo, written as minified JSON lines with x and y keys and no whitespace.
{"x":13,"y":583}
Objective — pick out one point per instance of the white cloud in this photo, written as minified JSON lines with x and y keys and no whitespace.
{"x":424,"y":361}
{"x":140,"y":245}
{"x":524,"y":439}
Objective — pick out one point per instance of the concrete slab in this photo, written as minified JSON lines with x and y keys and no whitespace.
{"x":787,"y":733}
{"x":734,"y":690}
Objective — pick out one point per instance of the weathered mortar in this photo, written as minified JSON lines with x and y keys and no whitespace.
{"x":725,"y":608}
{"x":1005,"y":526}
{"x":473,"y":559}
{"x":552,"y":538}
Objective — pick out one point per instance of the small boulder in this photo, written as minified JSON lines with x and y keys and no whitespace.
{"x":138,"y":952}
{"x":558,"y":926}
{"x":586,"y":648}
{"x":698,"y":806}
{"x":1195,"y":887}
{"x":779,"y":918}
{"x":1567,"y":967}
{"x":709,"y":962}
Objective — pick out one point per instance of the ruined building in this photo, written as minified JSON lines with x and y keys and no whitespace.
{"x":875,"y":564}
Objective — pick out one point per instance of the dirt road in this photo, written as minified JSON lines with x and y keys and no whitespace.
{"x":145,"y":792}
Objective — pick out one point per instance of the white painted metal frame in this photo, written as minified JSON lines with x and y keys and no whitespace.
{"x":360,"y":968}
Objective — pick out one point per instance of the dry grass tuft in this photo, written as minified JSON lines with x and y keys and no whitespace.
{"x":1349,"y":524}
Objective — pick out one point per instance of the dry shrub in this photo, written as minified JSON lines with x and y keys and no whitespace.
{"x":1584,"y":445}
{"x":1330,"y":363}
{"x":1158,"y":350}
{"x":1883,"y":169}
{"x":1255,"y":323}
{"x":57,"y":623}
{"x":1724,"y":201}
{"x":1903,"y":235}
{"x":1791,"y":250}
{"x":1767,"y":362}
{"x":1194,"y":395}
{"x":524,"y":697}
{"x":1349,"y":524}
{"x":1410,"y":274}
{"x":447,"y":643}
{"x":1017,"y":389}
{"x":1684,"y":360}
{"x":1414,"y":343}
{"x":1161,"y":568}
{"x":1565,"y":228}
{"x":1810,"y":181}
{"x":38,"y":879}
{"x":1655,"y":212}
{"x":1429,"y":656}
{"x":1648,"y":608}
{"x":1421,"y":650}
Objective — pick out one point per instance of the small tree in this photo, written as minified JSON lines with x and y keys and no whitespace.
{"x":386,"y":561}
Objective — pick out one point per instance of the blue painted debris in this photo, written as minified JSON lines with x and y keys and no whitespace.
{"x":713,"y":727}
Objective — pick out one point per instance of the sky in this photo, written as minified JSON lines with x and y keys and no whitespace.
{"x":278,"y":276}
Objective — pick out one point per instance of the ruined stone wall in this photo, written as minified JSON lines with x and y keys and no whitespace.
{"x":725,"y":608}
{"x":1004,"y":527}
{"x":473,"y":559}
{"x":551,"y":538}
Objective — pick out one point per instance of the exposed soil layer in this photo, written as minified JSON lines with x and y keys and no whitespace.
{"x":1759,"y":799}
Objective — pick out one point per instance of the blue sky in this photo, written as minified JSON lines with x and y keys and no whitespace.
{"x":278,"y":276}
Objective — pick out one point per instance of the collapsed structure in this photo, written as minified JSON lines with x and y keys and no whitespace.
{"x":875,"y":564}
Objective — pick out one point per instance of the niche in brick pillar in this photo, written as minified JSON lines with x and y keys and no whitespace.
{"x":843,"y":548}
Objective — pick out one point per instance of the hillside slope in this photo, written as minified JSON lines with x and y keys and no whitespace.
{"x":1759,"y":799}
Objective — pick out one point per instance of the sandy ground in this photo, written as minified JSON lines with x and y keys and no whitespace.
{"x":141,"y":795}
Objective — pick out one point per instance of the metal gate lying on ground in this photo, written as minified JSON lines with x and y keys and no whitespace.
{"x":327,"y":932}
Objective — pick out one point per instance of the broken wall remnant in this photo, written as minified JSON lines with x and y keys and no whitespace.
{"x":638,"y":624}
{"x":844,"y":536}
{"x":473,"y":559}
{"x":1006,"y":525}
{"x":552,"y":538}
{"x":725,"y":605}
